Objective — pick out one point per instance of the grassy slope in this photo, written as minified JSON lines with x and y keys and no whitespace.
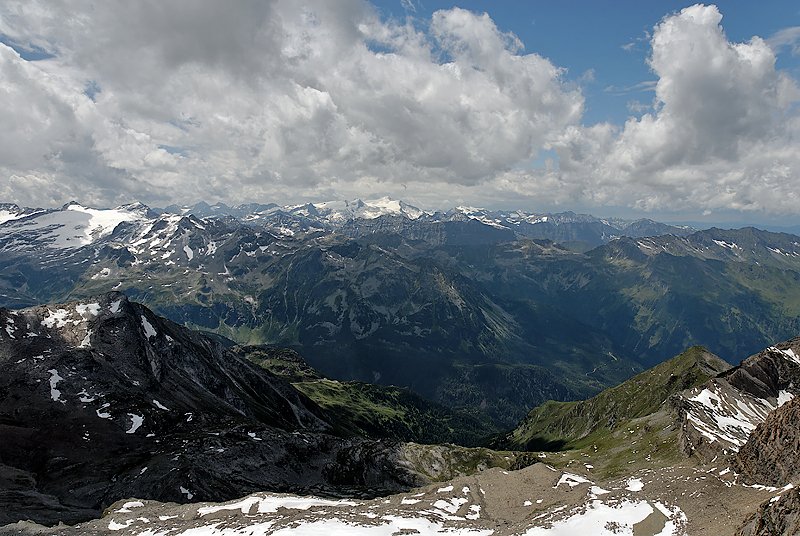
{"x":376,"y":411}
{"x":575,"y":425}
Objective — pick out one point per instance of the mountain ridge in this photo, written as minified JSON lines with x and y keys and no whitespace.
{"x":101,"y":398}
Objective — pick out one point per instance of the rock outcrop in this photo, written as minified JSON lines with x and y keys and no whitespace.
{"x":101,"y":399}
{"x":771,"y":455}
{"x":718,"y":417}
{"x":775,"y":517}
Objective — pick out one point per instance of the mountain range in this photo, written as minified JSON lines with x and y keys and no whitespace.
{"x":487,"y":312}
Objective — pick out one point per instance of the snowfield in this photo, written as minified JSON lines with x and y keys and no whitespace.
{"x":472,"y":506}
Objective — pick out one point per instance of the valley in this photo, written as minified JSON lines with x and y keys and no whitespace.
{"x":168,"y":431}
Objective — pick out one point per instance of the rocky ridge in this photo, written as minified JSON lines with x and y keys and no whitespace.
{"x":101,"y":399}
{"x":719,"y":417}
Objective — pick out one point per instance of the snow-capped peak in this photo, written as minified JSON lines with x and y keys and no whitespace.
{"x":70,"y":227}
{"x":9,"y":211}
{"x":339,"y":211}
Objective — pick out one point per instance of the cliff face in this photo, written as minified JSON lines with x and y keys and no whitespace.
{"x":775,"y":517}
{"x":771,"y":455}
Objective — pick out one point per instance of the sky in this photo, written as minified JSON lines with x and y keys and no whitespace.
{"x":677,"y":111}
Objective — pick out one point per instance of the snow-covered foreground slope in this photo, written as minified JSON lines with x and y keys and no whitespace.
{"x":535,"y":501}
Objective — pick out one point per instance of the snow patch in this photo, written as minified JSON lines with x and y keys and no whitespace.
{"x":136,"y":422}
{"x":113,"y":525}
{"x":268,"y":504}
{"x":126,"y":508}
{"x":115,"y":307}
{"x":788,"y":354}
{"x":55,"y":394}
{"x":88,"y":309}
{"x":732,"y":246}
{"x":57,"y":318}
{"x":87,"y":340}
{"x":101,"y":413}
{"x":474,"y":512}
{"x":149,"y":330}
{"x":635,"y":484}
{"x":572,"y":480}
{"x":452,"y":506}
{"x":598,"y":519}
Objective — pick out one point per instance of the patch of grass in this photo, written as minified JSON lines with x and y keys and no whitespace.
{"x":369,"y":410}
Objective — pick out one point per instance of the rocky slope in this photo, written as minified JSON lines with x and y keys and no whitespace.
{"x":719,"y":417}
{"x":777,"y":516}
{"x":101,"y":399}
{"x":540,"y":500}
{"x":771,"y":454}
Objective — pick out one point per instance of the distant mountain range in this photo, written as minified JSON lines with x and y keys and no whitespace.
{"x":580,"y":231}
{"x":489,"y":312}
{"x":356,"y":217}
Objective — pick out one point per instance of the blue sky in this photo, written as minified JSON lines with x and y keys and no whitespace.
{"x":608,"y":38}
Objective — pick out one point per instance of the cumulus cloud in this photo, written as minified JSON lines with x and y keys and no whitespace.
{"x":722,"y":134}
{"x":274,"y":98}
{"x":280,"y":100}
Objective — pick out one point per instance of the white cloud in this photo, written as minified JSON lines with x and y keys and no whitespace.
{"x":409,"y":5}
{"x":786,"y":38}
{"x":278,"y":99}
{"x":286,"y":101}
{"x":722,"y":134}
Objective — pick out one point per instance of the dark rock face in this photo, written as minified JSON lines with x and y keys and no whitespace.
{"x":775,"y":518}
{"x":771,"y":455}
{"x":101,"y":399}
